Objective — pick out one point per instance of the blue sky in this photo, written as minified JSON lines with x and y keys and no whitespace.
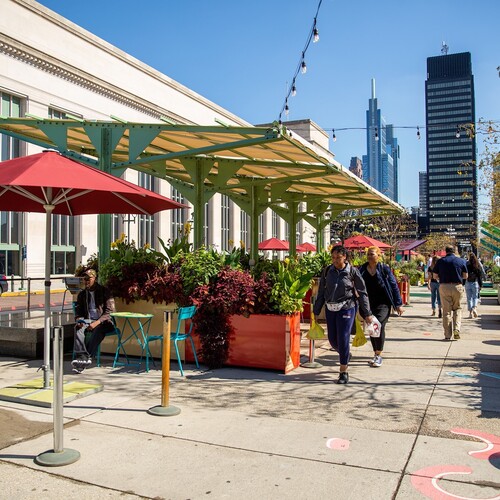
{"x":242,"y":55}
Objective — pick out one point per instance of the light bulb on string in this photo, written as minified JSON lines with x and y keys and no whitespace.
{"x":303,"y":67}
{"x":287,"y":110}
{"x":334,"y":137}
{"x":315,"y":35}
{"x":294,"y":90}
{"x":418,"y":132}
{"x":376,"y":133}
{"x":457,"y":133}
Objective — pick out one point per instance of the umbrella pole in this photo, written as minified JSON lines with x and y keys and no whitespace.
{"x":47,"y":322}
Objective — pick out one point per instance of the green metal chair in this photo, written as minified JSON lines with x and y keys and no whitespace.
{"x":183,"y":314}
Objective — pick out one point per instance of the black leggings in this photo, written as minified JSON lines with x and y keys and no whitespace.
{"x":382,"y":313}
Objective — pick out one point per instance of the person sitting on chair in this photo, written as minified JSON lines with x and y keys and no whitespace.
{"x":92,"y":315}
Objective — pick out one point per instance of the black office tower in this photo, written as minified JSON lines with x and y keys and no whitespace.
{"x":451,"y":148}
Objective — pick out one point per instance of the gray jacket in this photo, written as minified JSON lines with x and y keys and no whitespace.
{"x":338,"y":286}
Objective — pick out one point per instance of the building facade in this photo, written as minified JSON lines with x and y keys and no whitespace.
{"x":356,"y":166}
{"x":380,"y":164}
{"x":451,"y":148}
{"x":52,"y":68}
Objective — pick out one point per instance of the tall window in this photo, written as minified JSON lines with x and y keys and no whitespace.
{"x":63,"y":244}
{"x":206,"y":223}
{"x":11,"y":222}
{"x":178,"y":215}
{"x":146,"y":222}
{"x":59,"y":114}
{"x":245,"y":228}
{"x":225,"y":218}
{"x":116,"y":226}
{"x":275,"y":230}
{"x":261,"y":227}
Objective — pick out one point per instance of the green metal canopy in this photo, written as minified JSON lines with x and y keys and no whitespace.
{"x":257,"y":167}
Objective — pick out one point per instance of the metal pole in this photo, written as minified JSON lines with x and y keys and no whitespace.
{"x":165,"y":410}
{"x":311,"y":363}
{"x":58,"y":456}
{"x":28,"y":305}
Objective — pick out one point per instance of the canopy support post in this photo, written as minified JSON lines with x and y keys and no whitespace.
{"x":104,"y":220}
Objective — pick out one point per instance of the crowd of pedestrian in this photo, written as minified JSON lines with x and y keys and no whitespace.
{"x":372,"y":292}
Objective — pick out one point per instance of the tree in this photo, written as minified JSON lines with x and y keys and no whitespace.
{"x":489,"y":167}
{"x":436,"y":242}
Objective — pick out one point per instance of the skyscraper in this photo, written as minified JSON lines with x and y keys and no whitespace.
{"x":356,"y":166}
{"x":451,"y":147}
{"x":381,"y":161}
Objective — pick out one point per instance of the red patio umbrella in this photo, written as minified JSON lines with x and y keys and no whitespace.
{"x":53,"y":184}
{"x":273,"y":244}
{"x":361,"y":242}
{"x":308,"y":247}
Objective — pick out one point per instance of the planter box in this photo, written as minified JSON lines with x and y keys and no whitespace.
{"x":268,"y":341}
{"x":109,"y":344}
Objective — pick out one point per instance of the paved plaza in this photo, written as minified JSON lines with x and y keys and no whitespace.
{"x":424,"y":425}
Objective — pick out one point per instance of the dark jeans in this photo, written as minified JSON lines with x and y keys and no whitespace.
{"x":96,"y":336}
{"x":339,"y":325}
{"x":382,"y":313}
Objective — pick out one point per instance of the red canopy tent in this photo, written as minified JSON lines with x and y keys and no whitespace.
{"x":273,"y":244}
{"x":361,"y":242}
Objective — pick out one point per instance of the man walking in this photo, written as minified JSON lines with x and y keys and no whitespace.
{"x":451,"y":271}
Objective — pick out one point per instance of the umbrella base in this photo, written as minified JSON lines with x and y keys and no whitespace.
{"x":52,"y":458}
{"x":164,"y":411}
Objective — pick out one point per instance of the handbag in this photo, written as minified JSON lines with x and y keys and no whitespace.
{"x":359,"y":338}
{"x":373,"y":329}
{"x":316,"y":331}
{"x":335,"y":306}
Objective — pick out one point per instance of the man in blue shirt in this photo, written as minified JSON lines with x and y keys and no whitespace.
{"x":451,"y":271}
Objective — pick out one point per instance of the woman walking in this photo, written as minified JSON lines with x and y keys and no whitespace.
{"x":383,"y":293}
{"x":339,"y":285}
{"x":473,"y":284}
{"x":433,"y":286}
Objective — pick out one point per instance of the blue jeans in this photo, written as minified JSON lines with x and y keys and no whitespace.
{"x":435,"y":295}
{"x":472,"y":292}
{"x":339,"y":325}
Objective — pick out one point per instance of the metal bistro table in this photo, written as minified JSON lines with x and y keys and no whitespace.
{"x":135,"y":326}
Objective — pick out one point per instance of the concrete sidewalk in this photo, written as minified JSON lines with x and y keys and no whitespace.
{"x":428,"y":412}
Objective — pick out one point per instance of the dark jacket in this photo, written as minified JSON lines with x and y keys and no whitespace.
{"x":338,"y":286}
{"x":388,"y":282}
{"x":104,"y":302}
{"x":474,"y":274}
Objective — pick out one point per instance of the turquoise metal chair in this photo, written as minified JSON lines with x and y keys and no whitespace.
{"x":183,"y":314}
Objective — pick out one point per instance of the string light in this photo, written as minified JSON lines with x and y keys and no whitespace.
{"x":469,"y":127}
{"x":302,"y":67}
{"x":334,"y":137}
{"x":287,"y":110}
{"x":316,"y":35}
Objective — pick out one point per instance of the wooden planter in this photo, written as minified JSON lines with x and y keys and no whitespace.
{"x":109,"y":344}
{"x":268,"y":341}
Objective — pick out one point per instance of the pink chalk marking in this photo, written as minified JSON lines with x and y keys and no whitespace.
{"x":426,"y":481}
{"x":427,"y":333}
{"x":492,"y":443}
{"x":338,"y":444}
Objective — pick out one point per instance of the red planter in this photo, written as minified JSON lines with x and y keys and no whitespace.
{"x":265,"y":341}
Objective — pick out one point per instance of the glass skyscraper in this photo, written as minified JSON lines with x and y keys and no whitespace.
{"x":380,"y":164}
{"x":451,"y":148}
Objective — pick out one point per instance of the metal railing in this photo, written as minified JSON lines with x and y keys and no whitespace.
{"x":25,"y":286}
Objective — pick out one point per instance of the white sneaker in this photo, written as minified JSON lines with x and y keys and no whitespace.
{"x":377,"y":361}
{"x":474,"y":312}
{"x":372,"y":361}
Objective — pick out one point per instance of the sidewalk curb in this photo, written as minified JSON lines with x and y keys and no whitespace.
{"x":24,"y":293}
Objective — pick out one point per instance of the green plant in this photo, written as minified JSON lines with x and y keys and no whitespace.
{"x":314,"y":263}
{"x":290,"y":288}
{"x":124,"y":254}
